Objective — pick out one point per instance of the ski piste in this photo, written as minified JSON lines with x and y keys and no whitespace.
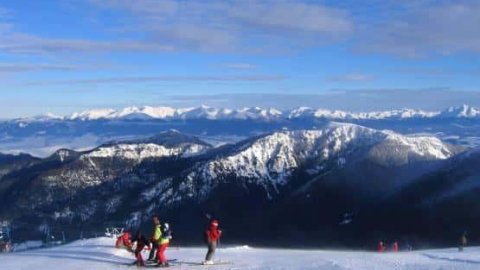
{"x":147,"y":262}
{"x":175,"y":263}
{"x":185,"y":263}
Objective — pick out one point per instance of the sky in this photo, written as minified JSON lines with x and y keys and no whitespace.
{"x":62,"y":56}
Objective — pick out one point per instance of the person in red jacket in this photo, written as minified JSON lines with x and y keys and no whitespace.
{"x":212,"y":237}
{"x":123,"y":241}
{"x":395,"y":246}
{"x":380,"y":247}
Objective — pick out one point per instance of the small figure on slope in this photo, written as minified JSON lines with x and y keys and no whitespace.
{"x":165,"y":237}
{"x":462,"y":242}
{"x":381,"y":246}
{"x":408,"y":246}
{"x":395,"y":247}
{"x":212,"y":237}
{"x":141,"y":243}
{"x":124,"y":241}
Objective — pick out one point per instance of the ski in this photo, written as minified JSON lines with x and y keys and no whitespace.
{"x":202,"y":264}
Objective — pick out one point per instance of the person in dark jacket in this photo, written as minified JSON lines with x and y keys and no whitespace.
{"x":212,"y":237}
{"x":142,"y":242}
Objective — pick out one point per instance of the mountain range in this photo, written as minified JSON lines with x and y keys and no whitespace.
{"x":42,"y":136}
{"x":253,"y":113}
{"x":341,"y":184}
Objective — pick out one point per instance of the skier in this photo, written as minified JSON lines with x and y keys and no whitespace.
{"x":462,"y":243}
{"x":123,"y":241}
{"x":155,"y":238}
{"x":381,"y":246}
{"x":163,"y":245}
{"x":395,"y":246}
{"x":212,"y":237}
{"x":141,"y":243}
{"x":408,"y":246}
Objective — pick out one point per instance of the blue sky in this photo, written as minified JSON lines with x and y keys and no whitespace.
{"x":70,"y":55}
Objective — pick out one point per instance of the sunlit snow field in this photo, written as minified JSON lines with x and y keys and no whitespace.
{"x":99,"y":253}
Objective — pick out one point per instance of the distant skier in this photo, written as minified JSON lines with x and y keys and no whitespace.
{"x":155,"y":238}
{"x":163,"y":245}
{"x":381,"y":246}
{"x":462,"y":242}
{"x":212,"y":237}
{"x":141,"y":243}
{"x":124,"y":241}
{"x":395,"y":247}
{"x":408,"y":246}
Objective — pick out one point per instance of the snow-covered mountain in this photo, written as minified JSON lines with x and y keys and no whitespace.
{"x":464,"y":111}
{"x":270,"y":161}
{"x":305,"y":112}
{"x":255,"y":113}
{"x":168,"y":113}
{"x":167,"y":144}
{"x":264,"y":178}
{"x":42,"y":135}
{"x":275,"y":156}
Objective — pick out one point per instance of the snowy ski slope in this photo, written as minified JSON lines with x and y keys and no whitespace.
{"x":100,"y":254}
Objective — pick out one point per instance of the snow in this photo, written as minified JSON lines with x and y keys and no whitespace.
{"x":144,"y":150}
{"x":423,"y":145}
{"x":252,"y":113}
{"x":257,"y":113}
{"x":94,"y":114}
{"x":306,"y":112}
{"x":463,"y":111}
{"x":269,"y":160}
{"x":274,"y":156}
{"x":100,"y":254}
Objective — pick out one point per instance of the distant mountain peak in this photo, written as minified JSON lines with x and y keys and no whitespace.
{"x":463,"y":111}
{"x":255,"y":113}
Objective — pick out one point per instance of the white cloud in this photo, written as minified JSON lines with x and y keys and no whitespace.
{"x":21,"y":67}
{"x":352,"y":77}
{"x":251,"y":26}
{"x":239,"y":66}
{"x":293,"y":16}
{"x":141,"y":79}
{"x":29,"y":44}
{"x":434,"y":29}
{"x":5,"y":13}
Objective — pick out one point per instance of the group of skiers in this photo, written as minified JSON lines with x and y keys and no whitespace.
{"x":381,"y":247}
{"x":394,"y":247}
{"x":160,"y":240}
{"x":462,"y":243}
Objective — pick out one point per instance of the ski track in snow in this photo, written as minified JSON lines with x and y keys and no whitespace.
{"x":100,"y":253}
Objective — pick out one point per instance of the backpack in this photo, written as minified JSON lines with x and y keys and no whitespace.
{"x":166,"y":232}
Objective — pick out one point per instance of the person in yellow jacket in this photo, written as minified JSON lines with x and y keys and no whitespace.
{"x":155,"y":238}
{"x":166,"y":235}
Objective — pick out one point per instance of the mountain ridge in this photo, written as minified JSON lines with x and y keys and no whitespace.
{"x":252,"y":113}
{"x":252,"y":179}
